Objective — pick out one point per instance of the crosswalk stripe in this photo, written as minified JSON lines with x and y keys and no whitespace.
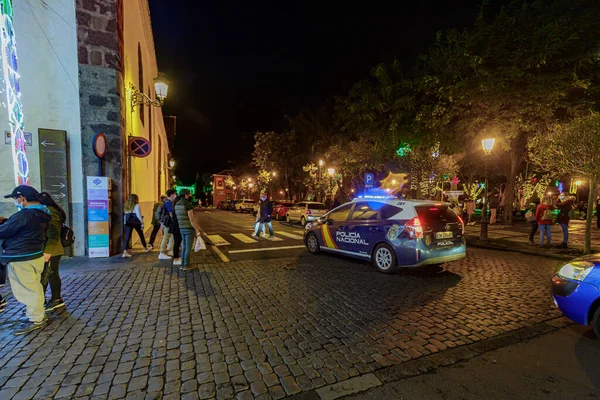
{"x":243,"y":238}
{"x":289,"y":235}
{"x":265,"y":249}
{"x":274,"y":239}
{"x":217,"y":240}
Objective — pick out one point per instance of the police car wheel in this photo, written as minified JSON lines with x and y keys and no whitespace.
{"x":384,"y":258}
{"x":596,"y":322}
{"x":312,"y":243}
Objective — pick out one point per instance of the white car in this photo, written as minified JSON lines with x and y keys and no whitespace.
{"x":245,"y":205}
{"x":305,"y":212}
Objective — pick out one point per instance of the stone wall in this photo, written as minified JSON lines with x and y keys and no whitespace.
{"x":100,"y":99}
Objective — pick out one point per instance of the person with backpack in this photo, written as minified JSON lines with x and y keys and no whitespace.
{"x":156,"y":214}
{"x":53,"y":252}
{"x":167,"y":222}
{"x":564,"y":204}
{"x":184,"y":211}
{"x":544,"y":217}
{"x":265,"y":211}
{"x":133,"y":222}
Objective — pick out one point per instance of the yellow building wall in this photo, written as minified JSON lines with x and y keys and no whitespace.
{"x":148,"y":176}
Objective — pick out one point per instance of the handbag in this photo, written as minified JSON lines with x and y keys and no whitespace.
{"x":133,"y":221}
{"x":200,"y":245}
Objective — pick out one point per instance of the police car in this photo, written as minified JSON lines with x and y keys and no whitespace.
{"x":390,"y":232}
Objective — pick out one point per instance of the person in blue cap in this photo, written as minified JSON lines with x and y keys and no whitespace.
{"x":24,"y":239}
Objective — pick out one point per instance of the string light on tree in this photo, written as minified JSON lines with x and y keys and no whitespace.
{"x":13,"y":94}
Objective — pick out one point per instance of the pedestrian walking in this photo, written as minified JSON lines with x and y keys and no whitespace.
{"x":531,"y":217}
{"x":156,"y":214}
{"x":564,"y":204}
{"x":265,"y":211}
{"x":544,"y":217}
{"x":470,"y":212}
{"x":184,"y":210}
{"x":493,"y":204}
{"x":167,"y":224}
{"x":24,"y":235}
{"x":53,"y":251}
{"x":133,"y":222}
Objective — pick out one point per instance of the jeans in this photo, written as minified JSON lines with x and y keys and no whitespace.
{"x":545,"y":230}
{"x":155,"y":230}
{"x":176,"y":243}
{"x":187,"y":244}
{"x":128,"y":234}
{"x":565,"y":229}
{"x":51,"y":276}
{"x":260,"y":227}
{"x":534,"y":229}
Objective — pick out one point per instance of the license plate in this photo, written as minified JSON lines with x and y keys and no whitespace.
{"x":444,"y":235}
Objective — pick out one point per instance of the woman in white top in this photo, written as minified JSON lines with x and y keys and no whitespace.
{"x":133,"y":222}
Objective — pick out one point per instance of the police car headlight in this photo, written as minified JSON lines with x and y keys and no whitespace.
{"x":576,"y":270}
{"x":308,"y":226}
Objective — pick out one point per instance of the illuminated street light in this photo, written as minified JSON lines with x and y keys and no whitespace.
{"x":394,"y":182}
{"x":321,"y":163}
{"x":249,"y":179}
{"x":274,"y":173}
{"x":578,"y":183}
{"x":488,"y":146}
{"x":330,"y":171}
{"x":250,"y":185}
{"x":171,"y":163}
{"x":287,"y":190}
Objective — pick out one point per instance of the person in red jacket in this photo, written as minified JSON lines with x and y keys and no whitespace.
{"x":543,"y":215}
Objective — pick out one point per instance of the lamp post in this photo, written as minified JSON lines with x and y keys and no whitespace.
{"x":488,"y":146}
{"x":139,"y":98}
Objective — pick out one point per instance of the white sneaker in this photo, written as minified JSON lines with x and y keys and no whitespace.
{"x":126,"y":255}
{"x":163,"y":256}
{"x":177,"y":262}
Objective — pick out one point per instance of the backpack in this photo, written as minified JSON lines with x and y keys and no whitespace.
{"x":67,"y":236}
{"x":548,"y":215}
{"x":158,"y":211}
{"x":165,"y":218}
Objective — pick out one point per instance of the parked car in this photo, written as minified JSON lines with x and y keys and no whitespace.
{"x":280,"y":209}
{"x":220,"y":205}
{"x":575,"y":290}
{"x":305,"y":212}
{"x":227,"y":205}
{"x":245,"y":205}
{"x":390,"y":232}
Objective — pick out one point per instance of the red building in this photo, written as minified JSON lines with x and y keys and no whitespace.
{"x":220,"y":190}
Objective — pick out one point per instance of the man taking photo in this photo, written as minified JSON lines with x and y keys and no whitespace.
{"x":24,"y":236}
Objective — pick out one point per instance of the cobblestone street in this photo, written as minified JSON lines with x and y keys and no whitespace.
{"x":264,"y":329}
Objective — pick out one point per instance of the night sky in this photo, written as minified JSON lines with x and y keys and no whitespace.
{"x":239,"y":67}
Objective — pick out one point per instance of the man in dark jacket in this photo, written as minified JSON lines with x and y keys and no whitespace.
{"x":265,"y":211}
{"x":24,"y":236}
{"x":565,"y":205}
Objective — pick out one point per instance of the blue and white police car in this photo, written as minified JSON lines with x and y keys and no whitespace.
{"x":390,"y":232}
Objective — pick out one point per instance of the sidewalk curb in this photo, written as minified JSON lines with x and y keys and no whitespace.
{"x":429,"y":363}
{"x":490,"y":245}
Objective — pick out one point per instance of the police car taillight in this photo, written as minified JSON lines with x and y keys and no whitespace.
{"x":414,"y":228}
{"x":462,"y":224}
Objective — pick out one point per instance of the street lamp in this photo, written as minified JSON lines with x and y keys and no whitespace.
{"x":330,"y":171}
{"x":488,"y":146}
{"x":321,"y":163}
{"x":161,"y":87}
{"x":577,"y":184}
{"x":171,"y":163}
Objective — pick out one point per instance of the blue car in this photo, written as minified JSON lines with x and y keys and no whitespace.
{"x":575,"y":289}
{"x":390,"y":232}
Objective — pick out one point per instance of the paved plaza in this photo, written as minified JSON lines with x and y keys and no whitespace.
{"x":263,"y":329}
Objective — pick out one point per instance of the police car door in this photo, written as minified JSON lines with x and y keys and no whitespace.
{"x":335,"y":226}
{"x":365,"y":227}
